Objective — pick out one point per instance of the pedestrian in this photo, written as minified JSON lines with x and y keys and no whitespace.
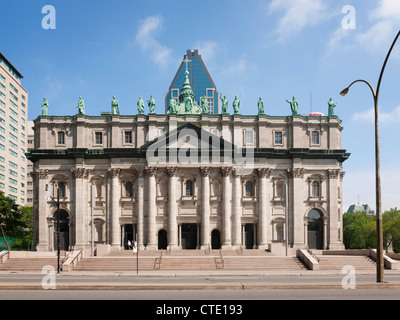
{"x":129,"y":244}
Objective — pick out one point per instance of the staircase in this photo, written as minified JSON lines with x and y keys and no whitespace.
{"x":28,"y":264}
{"x":337,"y":262}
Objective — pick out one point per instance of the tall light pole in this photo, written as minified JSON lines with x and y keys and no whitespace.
{"x":379,"y":229}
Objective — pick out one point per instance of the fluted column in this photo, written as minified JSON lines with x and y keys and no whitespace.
{"x":227,"y":208}
{"x":115,"y":208}
{"x":172,"y":208}
{"x":41,"y":232}
{"x":152,"y":207}
{"x":140,"y":205}
{"x":237,"y":210}
{"x":205,"y":207}
{"x":263,"y":174}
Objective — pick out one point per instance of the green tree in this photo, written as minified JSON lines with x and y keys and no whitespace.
{"x":11,"y":218}
{"x":25,"y":239}
{"x":391,"y":229}
{"x":359,"y":231}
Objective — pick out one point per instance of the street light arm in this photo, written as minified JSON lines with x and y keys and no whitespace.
{"x":344,"y":92}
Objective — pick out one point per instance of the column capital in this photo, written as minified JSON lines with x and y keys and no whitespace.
{"x":151,"y":171}
{"x":114,"y":173}
{"x":264,"y":172}
{"x":297,"y":172}
{"x":226,"y":171}
{"x":334,"y":173}
{"x":41,"y":174}
{"x":140,"y":172}
{"x":172,"y":171}
{"x":205,"y":171}
{"x":80,"y":173}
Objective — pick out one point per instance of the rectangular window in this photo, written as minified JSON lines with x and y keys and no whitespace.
{"x":278,"y":138}
{"x":128,"y":136}
{"x":315,"y":137}
{"x":249,"y":137}
{"x":61,"y":137}
{"x":99,"y":137}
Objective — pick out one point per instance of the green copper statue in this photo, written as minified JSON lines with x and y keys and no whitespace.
{"x":294,"y":106}
{"x":204,"y":105}
{"x":140,"y":106}
{"x":332,"y":106}
{"x":81,"y":106}
{"x":236,"y":105}
{"x":260,"y":105}
{"x":152,"y":104}
{"x":224,"y":104}
{"x":114,"y":106}
{"x":45,"y":105}
{"x":172,"y":106}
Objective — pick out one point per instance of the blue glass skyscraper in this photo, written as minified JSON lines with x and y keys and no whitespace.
{"x":200,"y":80}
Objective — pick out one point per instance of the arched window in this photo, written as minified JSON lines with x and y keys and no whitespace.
{"x":249,"y":187}
{"x":189,"y":188}
{"x":128,"y":189}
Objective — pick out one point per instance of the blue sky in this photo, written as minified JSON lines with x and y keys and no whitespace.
{"x":273,"y":49}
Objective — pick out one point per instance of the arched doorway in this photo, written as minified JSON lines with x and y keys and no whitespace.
{"x":64,"y":230}
{"x":315,"y":230}
{"x":162,"y":240}
{"x":215,"y":239}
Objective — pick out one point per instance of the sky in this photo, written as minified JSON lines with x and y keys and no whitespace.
{"x":276,"y":49}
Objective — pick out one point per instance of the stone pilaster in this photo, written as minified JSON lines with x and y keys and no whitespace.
{"x":172,"y":208}
{"x":263,"y":215}
{"x":115,"y":207}
{"x":40,"y":179}
{"x":237,"y":210}
{"x":152,"y":209}
{"x":227,"y":208}
{"x":140,"y":207}
{"x":205,"y":207}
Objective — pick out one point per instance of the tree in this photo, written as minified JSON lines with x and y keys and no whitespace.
{"x":11,"y":218}
{"x":359,"y":231}
{"x":391,"y":229}
{"x":25,"y":239}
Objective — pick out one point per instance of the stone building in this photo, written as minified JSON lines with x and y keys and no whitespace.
{"x":189,"y":180}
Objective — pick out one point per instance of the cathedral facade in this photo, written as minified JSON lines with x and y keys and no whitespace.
{"x":188,"y":179}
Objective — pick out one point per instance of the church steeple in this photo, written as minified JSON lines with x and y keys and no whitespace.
{"x":187,"y":91}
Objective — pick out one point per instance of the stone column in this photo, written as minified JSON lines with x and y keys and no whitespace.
{"x":42,"y":230}
{"x":152,"y":209}
{"x":115,"y":208}
{"x":140,"y":205}
{"x":172,"y":208}
{"x":334,"y":224}
{"x":263,"y":174}
{"x":297,"y":206}
{"x":81,"y":207}
{"x":205,"y":207}
{"x":226,"y":208}
{"x":237,"y":210}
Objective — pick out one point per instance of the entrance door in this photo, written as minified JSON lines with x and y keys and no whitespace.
{"x":162,"y":240}
{"x":315,"y":230}
{"x":189,"y":236}
{"x":64,"y":230}
{"x":128,"y":235}
{"x":215,"y":239}
{"x":249,"y":235}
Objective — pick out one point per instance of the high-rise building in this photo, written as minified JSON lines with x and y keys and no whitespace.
{"x":200,"y":80}
{"x":13,"y":132}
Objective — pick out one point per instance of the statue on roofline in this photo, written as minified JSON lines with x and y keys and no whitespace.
{"x":204,"y":105}
{"x":260,"y":105}
{"x":172,"y":106}
{"x":114,"y":106}
{"x":236,"y":105}
{"x":152,"y":104}
{"x":332,"y":105}
{"x":294,"y":106}
{"x":224,"y":101}
{"x":140,"y":106}
{"x":81,"y":106}
{"x":45,"y":105}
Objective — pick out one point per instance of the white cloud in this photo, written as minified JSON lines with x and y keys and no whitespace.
{"x":298,"y":15}
{"x":207,"y":49}
{"x":146,"y":40}
{"x":385,"y":117}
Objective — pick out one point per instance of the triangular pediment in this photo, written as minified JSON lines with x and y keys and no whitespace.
{"x":190,"y":136}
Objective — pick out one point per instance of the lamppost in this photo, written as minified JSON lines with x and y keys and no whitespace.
{"x":379,"y":230}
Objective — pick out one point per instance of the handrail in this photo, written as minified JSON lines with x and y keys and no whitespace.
{"x":80,"y":253}
{"x":3,"y":254}
{"x":313,"y":255}
{"x":157,"y":261}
